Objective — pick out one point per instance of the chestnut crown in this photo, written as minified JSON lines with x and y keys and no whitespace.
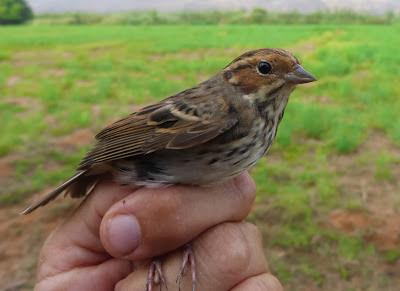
{"x":265,"y":68}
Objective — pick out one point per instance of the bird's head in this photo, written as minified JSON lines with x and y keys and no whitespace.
{"x":264,"y":72}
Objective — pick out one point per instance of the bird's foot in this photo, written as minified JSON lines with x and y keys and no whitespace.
{"x":188,"y":261}
{"x":155,"y":276}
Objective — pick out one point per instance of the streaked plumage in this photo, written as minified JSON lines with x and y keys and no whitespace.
{"x":200,"y":136}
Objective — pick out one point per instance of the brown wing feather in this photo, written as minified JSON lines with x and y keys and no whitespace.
{"x":172,"y":124}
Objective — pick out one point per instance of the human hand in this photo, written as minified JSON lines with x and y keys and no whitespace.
{"x":106,"y":243}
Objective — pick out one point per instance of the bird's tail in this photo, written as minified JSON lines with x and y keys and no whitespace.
{"x":52,"y":195}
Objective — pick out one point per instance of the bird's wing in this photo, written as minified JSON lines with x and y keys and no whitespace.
{"x":176,"y":123}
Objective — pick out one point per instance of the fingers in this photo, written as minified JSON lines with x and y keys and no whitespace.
{"x":226,"y":256}
{"x":263,"y":282}
{"x":165,"y":219}
{"x":102,"y":277}
{"x":77,"y":239}
{"x":153,"y":221}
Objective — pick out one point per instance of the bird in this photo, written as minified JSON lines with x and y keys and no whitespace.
{"x":202,"y":136}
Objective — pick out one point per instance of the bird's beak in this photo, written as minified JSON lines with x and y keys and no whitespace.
{"x":299,"y":76}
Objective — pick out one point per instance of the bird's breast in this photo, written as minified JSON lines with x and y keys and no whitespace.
{"x":206,"y":164}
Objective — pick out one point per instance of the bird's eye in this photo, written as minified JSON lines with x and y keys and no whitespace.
{"x":264,"y":67}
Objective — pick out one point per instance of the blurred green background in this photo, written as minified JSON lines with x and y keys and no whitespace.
{"x":328,"y":199}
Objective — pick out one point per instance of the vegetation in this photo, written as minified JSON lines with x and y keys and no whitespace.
{"x":14,"y":11}
{"x":256,"y":16}
{"x":336,"y":155}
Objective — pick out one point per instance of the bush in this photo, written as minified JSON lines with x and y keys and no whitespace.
{"x":14,"y":12}
{"x":255,"y":16}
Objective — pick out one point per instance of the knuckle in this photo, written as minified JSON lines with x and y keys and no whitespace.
{"x":234,"y":258}
{"x":245,"y":193}
{"x":269,"y":282}
{"x":253,"y":232}
{"x":120,"y":286}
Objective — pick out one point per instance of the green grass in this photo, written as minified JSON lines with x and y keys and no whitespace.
{"x":55,"y":80}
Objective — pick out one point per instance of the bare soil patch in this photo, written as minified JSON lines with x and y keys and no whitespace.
{"x":383,"y":230}
{"x":199,"y":54}
{"x":80,"y":137}
{"x":304,"y":48}
{"x":54,"y":73}
{"x":380,"y":198}
{"x":29,"y":104}
{"x":13,"y":81}
{"x":7,"y":167}
{"x":37,"y":57}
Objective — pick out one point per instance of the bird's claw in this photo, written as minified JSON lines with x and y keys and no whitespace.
{"x":155,"y":276}
{"x":188,"y":260}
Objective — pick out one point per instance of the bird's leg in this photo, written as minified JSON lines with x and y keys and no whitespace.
{"x":188,"y":259}
{"x":155,"y":276}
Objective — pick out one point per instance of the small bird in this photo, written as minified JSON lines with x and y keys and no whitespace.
{"x":200,"y":136}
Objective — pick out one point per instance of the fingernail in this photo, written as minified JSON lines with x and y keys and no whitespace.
{"x":124,"y":234}
{"x":245,"y":183}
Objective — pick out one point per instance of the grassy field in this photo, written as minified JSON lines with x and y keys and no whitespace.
{"x":329,"y":192}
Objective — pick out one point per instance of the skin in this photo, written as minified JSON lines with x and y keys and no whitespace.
{"x":97,"y":248}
